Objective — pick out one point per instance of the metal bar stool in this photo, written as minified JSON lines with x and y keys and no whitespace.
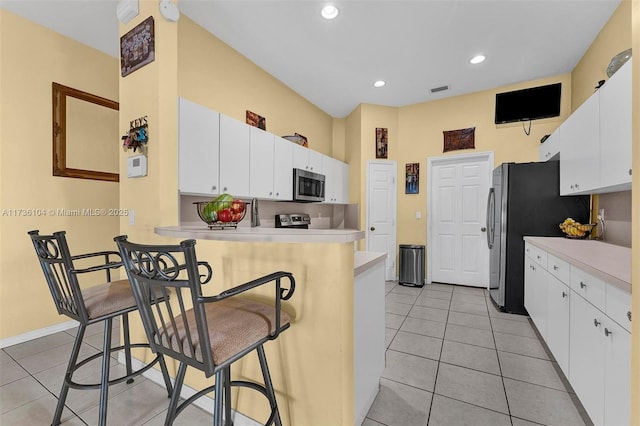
{"x":103,"y":302}
{"x":207,"y":333}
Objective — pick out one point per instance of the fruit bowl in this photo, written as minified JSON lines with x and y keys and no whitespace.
{"x":576,"y":230}
{"x":225,"y":214}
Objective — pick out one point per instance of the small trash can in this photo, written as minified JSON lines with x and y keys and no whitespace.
{"x":411,"y":265}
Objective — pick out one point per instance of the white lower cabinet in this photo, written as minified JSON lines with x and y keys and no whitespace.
{"x":585,"y":322}
{"x":586,"y":361}
{"x":535,"y":296}
{"x":558,"y":300}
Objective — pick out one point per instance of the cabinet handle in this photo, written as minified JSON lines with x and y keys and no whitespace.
{"x":270,"y":193}
{"x":629,"y":315}
{"x":629,"y":172}
{"x":564,"y":294}
{"x":571,"y":187}
{"x":277,"y":193}
{"x":539,"y":258}
{"x":577,"y":186}
{"x":533,"y":267}
{"x":213,"y":188}
{"x":224,"y":189}
{"x":582,"y":285}
{"x":555,"y":267}
{"x":607,"y":332}
{"x":596,"y":322}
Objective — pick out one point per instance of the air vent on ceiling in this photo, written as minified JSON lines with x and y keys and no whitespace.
{"x":439,"y":89}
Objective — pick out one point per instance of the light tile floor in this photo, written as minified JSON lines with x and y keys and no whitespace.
{"x":451,"y":359}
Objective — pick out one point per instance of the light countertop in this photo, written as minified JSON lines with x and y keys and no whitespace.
{"x":607,"y":261}
{"x":259,"y":234}
{"x":364,"y":260}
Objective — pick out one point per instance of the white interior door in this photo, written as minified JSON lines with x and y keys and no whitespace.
{"x":381,"y":212}
{"x":456,"y":209}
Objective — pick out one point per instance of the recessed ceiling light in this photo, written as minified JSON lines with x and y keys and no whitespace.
{"x":477,"y":59}
{"x":379,"y":83}
{"x":329,"y":11}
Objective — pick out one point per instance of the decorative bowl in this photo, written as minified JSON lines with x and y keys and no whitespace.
{"x":221,"y":214}
{"x":577,"y":230}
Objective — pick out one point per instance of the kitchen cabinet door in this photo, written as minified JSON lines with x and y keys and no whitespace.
{"x":331,"y":168}
{"x":550,"y":149}
{"x":283,"y":169}
{"x":234,"y":156}
{"x":580,"y":149}
{"x":617,"y":362}
{"x":558,"y":295}
{"x":535,"y":297}
{"x":586,"y":356}
{"x":261,"y":163}
{"x":615,"y":130}
{"x":342,"y":195}
{"x":198,"y":148}
{"x":307,"y":159}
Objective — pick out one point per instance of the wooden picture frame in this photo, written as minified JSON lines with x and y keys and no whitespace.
{"x":60,"y":95}
{"x":381,"y":142}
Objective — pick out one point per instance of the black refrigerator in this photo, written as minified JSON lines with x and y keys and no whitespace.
{"x":524,"y":200}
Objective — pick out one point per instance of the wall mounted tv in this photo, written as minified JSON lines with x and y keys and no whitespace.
{"x":528,"y":104}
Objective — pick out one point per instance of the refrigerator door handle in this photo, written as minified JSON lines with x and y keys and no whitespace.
{"x":491,"y":206}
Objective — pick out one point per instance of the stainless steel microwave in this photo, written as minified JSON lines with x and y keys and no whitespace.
{"x":307,"y":186}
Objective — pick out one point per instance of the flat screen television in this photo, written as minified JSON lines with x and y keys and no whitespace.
{"x":528,"y":104}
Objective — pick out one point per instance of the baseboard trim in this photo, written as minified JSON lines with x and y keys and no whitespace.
{"x":204,"y":402}
{"x":41,"y":332}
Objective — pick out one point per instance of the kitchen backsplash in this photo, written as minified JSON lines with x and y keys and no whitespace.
{"x":323,"y":216}
{"x":617,"y":217}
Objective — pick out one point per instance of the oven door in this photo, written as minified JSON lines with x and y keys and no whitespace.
{"x":308,"y":186}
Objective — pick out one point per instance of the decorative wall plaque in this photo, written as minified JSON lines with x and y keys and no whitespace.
{"x":381,"y":142}
{"x":412,"y":178}
{"x":256,"y":120}
{"x":137,"y":47}
{"x":459,"y":139}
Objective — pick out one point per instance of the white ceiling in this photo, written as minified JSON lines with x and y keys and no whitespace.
{"x":414,"y":45}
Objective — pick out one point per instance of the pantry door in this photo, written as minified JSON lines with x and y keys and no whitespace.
{"x":381,"y":212}
{"x":456,"y":219}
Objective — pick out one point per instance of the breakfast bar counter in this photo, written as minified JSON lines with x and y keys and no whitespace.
{"x":326,"y":367}
{"x":262,"y":234}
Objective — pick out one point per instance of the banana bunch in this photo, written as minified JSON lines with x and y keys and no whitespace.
{"x":575,"y":229}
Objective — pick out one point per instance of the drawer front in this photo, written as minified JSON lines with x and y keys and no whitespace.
{"x":618,"y":306}
{"x":537,"y":255}
{"x":558,"y":268}
{"x":591,"y":288}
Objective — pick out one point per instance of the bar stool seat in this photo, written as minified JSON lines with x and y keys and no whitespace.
{"x":100,"y":303}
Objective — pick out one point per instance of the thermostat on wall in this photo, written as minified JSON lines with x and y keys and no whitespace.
{"x":137,"y":166}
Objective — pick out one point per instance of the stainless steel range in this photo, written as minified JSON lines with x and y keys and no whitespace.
{"x":296,"y":220}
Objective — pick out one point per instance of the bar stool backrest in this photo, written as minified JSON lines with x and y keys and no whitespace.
{"x":57,"y":265}
{"x":166,"y":283}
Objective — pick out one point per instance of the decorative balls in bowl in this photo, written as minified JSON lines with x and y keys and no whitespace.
{"x":223,"y":212}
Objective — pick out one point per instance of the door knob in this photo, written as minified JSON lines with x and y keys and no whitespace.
{"x":372,"y":228}
{"x":483,"y":229}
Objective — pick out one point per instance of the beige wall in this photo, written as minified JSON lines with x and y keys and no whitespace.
{"x":28,"y":68}
{"x":213,"y":74}
{"x":614,"y":37}
{"x":415,"y":133}
{"x":635,"y":206}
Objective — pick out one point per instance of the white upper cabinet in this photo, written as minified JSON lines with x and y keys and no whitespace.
{"x":261,"y":164}
{"x":595,"y":141}
{"x":283,"y":169}
{"x":307,"y":159}
{"x":550,"y":149}
{"x":336,"y":181}
{"x":580,"y":149}
{"x":615,"y":130}
{"x":198,"y":148}
{"x":234,"y":156}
